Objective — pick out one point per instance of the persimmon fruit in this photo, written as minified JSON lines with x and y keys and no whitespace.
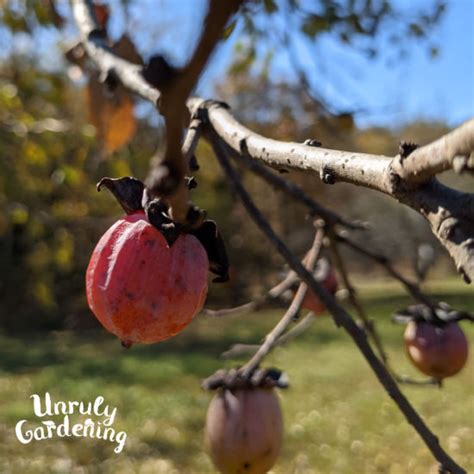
{"x":437,"y":351}
{"x":244,"y":430}
{"x":312,"y":302}
{"x":140,"y":288}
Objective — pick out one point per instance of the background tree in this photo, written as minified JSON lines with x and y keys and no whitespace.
{"x":409,"y":177}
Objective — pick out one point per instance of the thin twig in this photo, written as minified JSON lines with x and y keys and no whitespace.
{"x":369,"y":324}
{"x":191,"y":140}
{"x":341,"y":318}
{"x":411,"y":287}
{"x":289,"y":316}
{"x":258,"y":303}
{"x":366,"y":321}
{"x":291,"y":188}
{"x":238,"y":350}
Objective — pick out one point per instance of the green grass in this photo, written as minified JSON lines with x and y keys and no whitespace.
{"x":338,"y":418}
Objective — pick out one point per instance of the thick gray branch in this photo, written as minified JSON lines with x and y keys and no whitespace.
{"x":451,"y":217}
{"x":356,"y":168}
{"x":449,"y":212}
{"x":430,"y":160}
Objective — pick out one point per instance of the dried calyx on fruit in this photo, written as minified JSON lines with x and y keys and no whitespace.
{"x":434,"y":341}
{"x":147,"y":277}
{"x":244,"y":423}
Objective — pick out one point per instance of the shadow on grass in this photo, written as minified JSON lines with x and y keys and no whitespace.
{"x":95,"y":354}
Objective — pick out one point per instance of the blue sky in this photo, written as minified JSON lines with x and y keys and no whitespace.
{"x":424,"y":88}
{"x":390,"y":93}
{"x":419,"y":87}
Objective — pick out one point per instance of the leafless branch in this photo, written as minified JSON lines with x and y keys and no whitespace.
{"x":191,"y":140}
{"x":258,"y":303}
{"x":295,"y":306}
{"x":341,"y":318}
{"x":291,"y":188}
{"x":449,"y":212}
{"x":368,"y":324}
{"x":239,"y":350}
{"x":356,"y":168}
{"x":450,"y":151}
{"x":382,"y":260}
{"x":167,"y":177}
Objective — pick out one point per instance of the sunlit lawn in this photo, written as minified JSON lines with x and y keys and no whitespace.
{"x":338,"y":418}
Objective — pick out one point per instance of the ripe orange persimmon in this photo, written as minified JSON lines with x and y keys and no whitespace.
{"x":437,"y":351}
{"x":141,"y":289}
{"x":329,"y":282}
{"x":244,"y":430}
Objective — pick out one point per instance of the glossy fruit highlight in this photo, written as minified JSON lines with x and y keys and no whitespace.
{"x":141,"y":289}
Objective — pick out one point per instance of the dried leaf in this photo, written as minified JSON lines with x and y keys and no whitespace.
{"x":127,"y":190}
{"x":125,"y":48}
{"x":211,"y":239}
{"x":111,"y":113}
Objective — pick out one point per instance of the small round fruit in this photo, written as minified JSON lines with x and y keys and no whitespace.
{"x":244,"y":430}
{"x":312,"y":302}
{"x":437,"y":351}
{"x":139,"y":288}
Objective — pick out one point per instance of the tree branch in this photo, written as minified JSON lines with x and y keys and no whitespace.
{"x":330,"y":217}
{"x":425,"y":162}
{"x":167,"y":178}
{"x":411,"y":287}
{"x":341,"y":318}
{"x":369,"y":324}
{"x":357,"y":168}
{"x":448,"y":211}
{"x":257,"y":303}
{"x":272,"y":337}
{"x":238,"y":350}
